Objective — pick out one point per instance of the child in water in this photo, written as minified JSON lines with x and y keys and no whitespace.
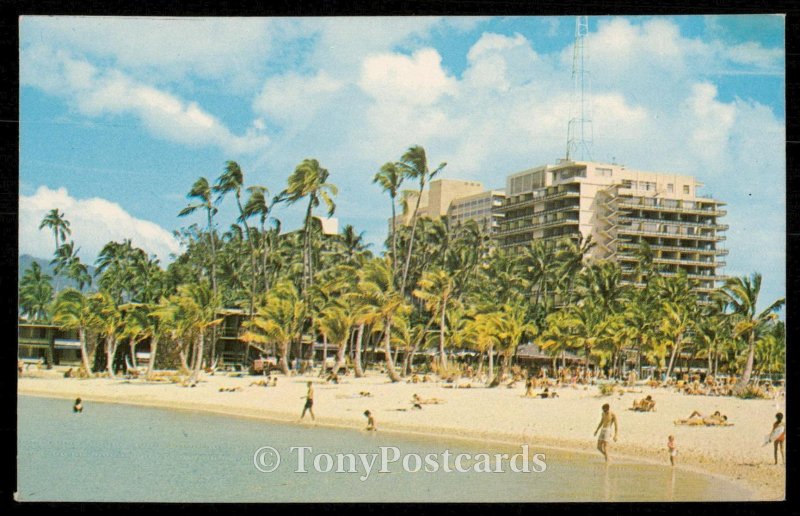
{"x":673,"y":450}
{"x":78,"y":407}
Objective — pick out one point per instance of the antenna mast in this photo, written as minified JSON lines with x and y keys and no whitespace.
{"x":579,"y":128}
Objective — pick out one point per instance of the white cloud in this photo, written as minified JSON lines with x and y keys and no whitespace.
{"x":293,"y":96}
{"x":94,"y":222}
{"x":230,"y":50}
{"x":416,"y":80}
{"x":95,"y":92}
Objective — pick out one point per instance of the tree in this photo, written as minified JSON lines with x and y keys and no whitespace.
{"x":381,"y":302}
{"x":109,"y":323}
{"x":35,"y":293}
{"x":390,"y":177}
{"x":435,"y":290}
{"x":309,"y":180}
{"x":73,"y":311}
{"x":201,"y":190}
{"x":742,"y":295}
{"x":232,"y":180}
{"x":67,"y":261}
{"x":510,"y":326}
{"x":280,"y":320}
{"x":414,"y":166}
{"x":56,"y":222}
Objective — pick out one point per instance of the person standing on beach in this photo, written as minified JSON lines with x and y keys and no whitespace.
{"x":371,"y":427}
{"x":673,"y":450}
{"x":607,"y":419}
{"x":779,"y":433}
{"x":309,"y":403}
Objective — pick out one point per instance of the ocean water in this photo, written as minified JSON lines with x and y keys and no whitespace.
{"x":129,"y":454}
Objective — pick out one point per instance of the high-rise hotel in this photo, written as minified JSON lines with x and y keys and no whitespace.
{"x":619,"y":208}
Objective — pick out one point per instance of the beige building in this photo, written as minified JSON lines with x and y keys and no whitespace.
{"x":483,"y":208}
{"x":618,"y":207}
{"x":436,"y":200}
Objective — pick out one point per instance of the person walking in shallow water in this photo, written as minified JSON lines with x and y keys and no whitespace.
{"x":607,"y":419}
{"x":78,"y":406}
{"x":309,"y":403}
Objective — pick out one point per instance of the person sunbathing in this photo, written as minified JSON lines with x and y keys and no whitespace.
{"x":425,"y":401}
{"x":260,"y":383}
{"x":697,"y":419}
{"x":644,"y":405}
{"x":229,"y":389}
{"x":547,"y":394}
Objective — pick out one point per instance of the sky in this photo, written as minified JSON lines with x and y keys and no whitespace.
{"x":120,"y":115}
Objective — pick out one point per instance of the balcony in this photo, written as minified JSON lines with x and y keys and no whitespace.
{"x":682,"y":223}
{"x":662,"y":234}
{"x":646,"y":204}
{"x":682,"y":249}
{"x":537,"y":199}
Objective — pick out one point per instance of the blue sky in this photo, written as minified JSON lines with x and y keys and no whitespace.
{"x":119,"y":116}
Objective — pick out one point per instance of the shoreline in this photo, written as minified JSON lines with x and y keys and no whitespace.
{"x":744,"y":476}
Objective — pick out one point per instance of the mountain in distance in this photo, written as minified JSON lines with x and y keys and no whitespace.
{"x":25,"y":261}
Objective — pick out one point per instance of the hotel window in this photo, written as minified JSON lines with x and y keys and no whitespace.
{"x":686,"y":189}
{"x":603,"y":172}
{"x":670,"y":187}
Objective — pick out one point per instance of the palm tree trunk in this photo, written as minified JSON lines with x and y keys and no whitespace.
{"x":151,"y":366}
{"x":340,"y":356}
{"x":502,"y":372}
{"x":357,"y":361}
{"x":748,"y":367}
{"x":111,"y":350}
{"x":284,"y":361}
{"x":393,"y":376}
{"x":411,"y":242}
{"x":675,"y":349}
{"x":442,"y":324}
{"x":324,"y":354}
{"x":84,"y":352}
{"x":213,"y":251}
{"x":198,"y":365}
{"x":394,"y":243}
{"x":491,"y":362}
{"x":132,"y":346}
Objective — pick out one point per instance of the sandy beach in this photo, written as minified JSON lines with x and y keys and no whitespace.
{"x":501,"y":414}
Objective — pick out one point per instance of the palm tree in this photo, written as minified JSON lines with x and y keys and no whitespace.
{"x":335,"y":323}
{"x":195,"y":309}
{"x":309,"y":180}
{"x":201,"y":190}
{"x":381,"y":301}
{"x":232,"y":180}
{"x":280,"y":320}
{"x":435,"y":290}
{"x":257,"y":205}
{"x":68,"y":262}
{"x":390,"y":177}
{"x":414,"y":166}
{"x":35,"y":293}
{"x":742,"y":295}
{"x":510,"y":326}
{"x":109,"y":323}
{"x":482,"y":331}
{"x":59,"y":226}
{"x":73,"y":311}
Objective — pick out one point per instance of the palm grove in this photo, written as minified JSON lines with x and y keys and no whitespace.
{"x":437,"y":286}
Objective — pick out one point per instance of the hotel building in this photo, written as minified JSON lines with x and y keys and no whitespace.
{"x":618,"y":208}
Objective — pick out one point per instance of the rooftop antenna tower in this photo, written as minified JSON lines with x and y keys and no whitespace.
{"x":579,"y":128}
